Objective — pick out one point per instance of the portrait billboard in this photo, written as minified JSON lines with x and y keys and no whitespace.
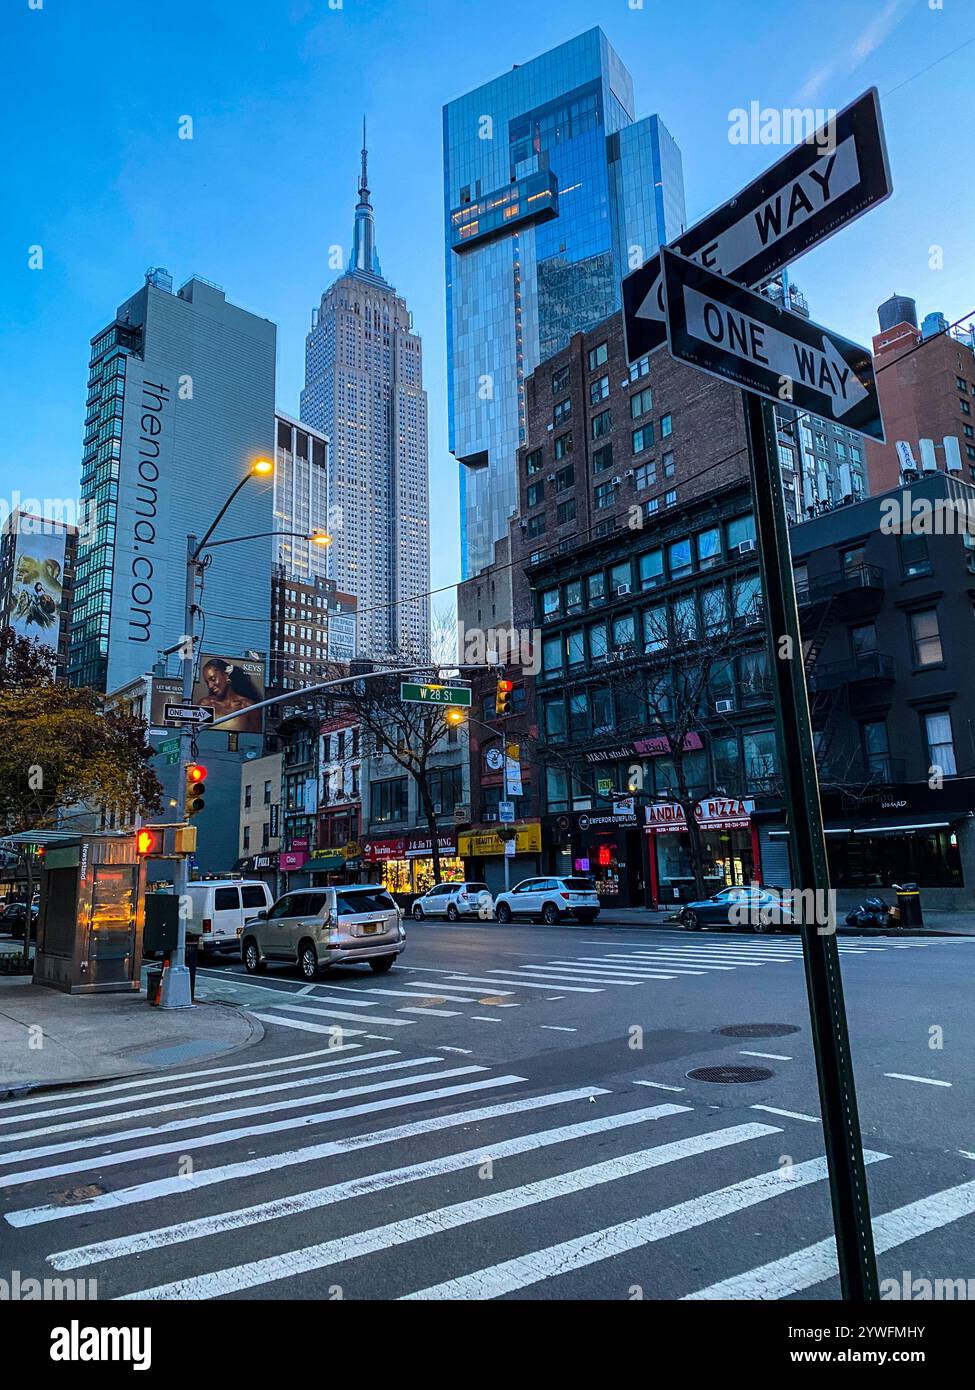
{"x":229,"y":685}
{"x":36,"y":587}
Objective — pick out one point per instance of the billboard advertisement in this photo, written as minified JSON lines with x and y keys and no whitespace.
{"x":35,"y":593}
{"x":230,"y":685}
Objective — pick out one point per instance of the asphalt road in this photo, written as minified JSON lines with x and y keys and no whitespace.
{"x":508,"y":1113}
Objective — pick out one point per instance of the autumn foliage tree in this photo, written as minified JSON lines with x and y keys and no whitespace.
{"x":62,"y":749}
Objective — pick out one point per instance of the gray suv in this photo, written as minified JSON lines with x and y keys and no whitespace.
{"x":315,"y":928}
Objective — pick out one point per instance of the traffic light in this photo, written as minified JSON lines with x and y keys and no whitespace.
{"x":502,"y":699}
{"x":196,"y":775}
{"x":147,"y":841}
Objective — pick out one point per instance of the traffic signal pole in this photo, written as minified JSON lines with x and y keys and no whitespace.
{"x":175,"y":992}
{"x":831,"y":1043}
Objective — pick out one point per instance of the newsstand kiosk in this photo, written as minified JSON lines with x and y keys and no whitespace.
{"x":89,"y":932}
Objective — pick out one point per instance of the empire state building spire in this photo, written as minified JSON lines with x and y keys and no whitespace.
{"x":364,"y":259}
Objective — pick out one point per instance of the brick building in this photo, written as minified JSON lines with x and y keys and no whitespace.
{"x":926,"y":384}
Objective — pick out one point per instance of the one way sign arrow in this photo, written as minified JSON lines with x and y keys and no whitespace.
{"x":737,"y":335}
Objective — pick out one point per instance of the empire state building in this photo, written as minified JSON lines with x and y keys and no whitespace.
{"x":364,"y":390}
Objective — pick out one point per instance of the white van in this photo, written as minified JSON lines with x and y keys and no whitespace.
{"x":222,"y":907}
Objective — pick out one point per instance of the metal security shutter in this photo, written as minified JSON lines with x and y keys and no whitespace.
{"x":775,"y":857}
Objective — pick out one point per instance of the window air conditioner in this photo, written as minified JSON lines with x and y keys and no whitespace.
{"x":617,"y":480}
{"x":746,"y":547}
{"x":550,"y":477}
{"x":623,"y":589}
{"x":724,"y":706}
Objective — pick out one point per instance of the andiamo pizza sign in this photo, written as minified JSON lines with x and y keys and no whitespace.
{"x":713,"y":813}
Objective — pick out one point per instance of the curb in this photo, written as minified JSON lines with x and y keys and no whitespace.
{"x":28,"y":1088}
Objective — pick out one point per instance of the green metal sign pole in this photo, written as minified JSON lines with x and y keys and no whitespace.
{"x":831,"y":1043}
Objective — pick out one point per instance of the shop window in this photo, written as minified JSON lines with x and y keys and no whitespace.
{"x":926,"y":637}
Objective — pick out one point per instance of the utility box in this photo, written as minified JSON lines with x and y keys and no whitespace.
{"x":89,"y":933}
{"x":162,"y":923}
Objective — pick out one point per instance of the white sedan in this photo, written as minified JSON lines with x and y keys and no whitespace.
{"x":549,"y":899}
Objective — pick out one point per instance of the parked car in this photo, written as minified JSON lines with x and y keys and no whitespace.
{"x":222,"y":908}
{"x":316,"y":928}
{"x":761,"y":909}
{"x":14,"y":916}
{"x":453,"y":901}
{"x":549,"y":899}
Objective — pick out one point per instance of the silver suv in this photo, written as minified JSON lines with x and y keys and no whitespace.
{"x":315,"y":928}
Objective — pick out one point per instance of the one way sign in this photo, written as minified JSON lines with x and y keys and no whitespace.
{"x":811,"y":192}
{"x":732,"y":333}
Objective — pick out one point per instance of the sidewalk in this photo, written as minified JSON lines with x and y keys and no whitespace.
{"x":935,"y":923}
{"x":52,"y":1039}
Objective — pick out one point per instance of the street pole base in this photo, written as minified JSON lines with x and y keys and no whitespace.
{"x":175,"y":990}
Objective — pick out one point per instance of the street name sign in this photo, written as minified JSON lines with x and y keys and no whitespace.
{"x":411,"y":693}
{"x":171,"y":745}
{"x":833,"y":177}
{"x":191,"y":714}
{"x":733,"y":333}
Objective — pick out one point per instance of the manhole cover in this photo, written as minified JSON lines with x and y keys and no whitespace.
{"x":727,"y":1076}
{"x":757,"y":1030}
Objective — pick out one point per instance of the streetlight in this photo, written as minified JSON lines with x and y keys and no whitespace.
{"x":175,"y":992}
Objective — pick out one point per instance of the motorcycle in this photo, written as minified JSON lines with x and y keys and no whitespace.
{"x":873,"y":912}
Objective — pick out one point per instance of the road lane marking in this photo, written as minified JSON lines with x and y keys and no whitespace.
{"x":178,"y":1232}
{"x":270,"y":1163}
{"x":658,"y":1085}
{"x":424,"y":1009}
{"x":772,"y":1056}
{"x":553,"y":1028}
{"x":326,"y":1011}
{"x":303,"y":1026}
{"x":226,"y":1136}
{"x":804,"y":1268}
{"x":789,"y":1114}
{"x":590,"y":1249}
{"x":256,"y":1273}
{"x":925,"y":1080}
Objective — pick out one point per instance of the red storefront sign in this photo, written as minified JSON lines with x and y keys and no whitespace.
{"x":421,"y":846}
{"x":300,"y":842}
{"x":389,"y":847}
{"x":292,"y":859}
{"x":713,"y":813}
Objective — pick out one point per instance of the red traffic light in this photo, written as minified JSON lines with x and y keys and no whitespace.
{"x":146,"y":841}
{"x":502,"y":699}
{"x":196,"y":772}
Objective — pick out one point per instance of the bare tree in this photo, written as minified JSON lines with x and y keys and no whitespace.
{"x":408,"y":733}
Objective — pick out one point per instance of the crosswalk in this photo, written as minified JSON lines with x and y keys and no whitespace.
{"x":385,"y":1175}
{"x":354,"y":1007}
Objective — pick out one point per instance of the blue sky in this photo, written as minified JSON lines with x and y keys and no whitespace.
{"x":96,"y":175}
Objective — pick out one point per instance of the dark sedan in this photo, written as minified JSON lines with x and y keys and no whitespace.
{"x":14,"y":916}
{"x":755,"y":909}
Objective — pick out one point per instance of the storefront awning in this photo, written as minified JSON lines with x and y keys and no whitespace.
{"x":878,"y":826}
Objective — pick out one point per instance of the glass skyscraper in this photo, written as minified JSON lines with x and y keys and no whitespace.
{"x":553,"y":191}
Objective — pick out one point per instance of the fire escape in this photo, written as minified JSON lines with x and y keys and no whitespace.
{"x":842,"y":690}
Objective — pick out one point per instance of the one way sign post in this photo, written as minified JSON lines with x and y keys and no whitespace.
{"x":730,"y":332}
{"x":715,"y":323}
